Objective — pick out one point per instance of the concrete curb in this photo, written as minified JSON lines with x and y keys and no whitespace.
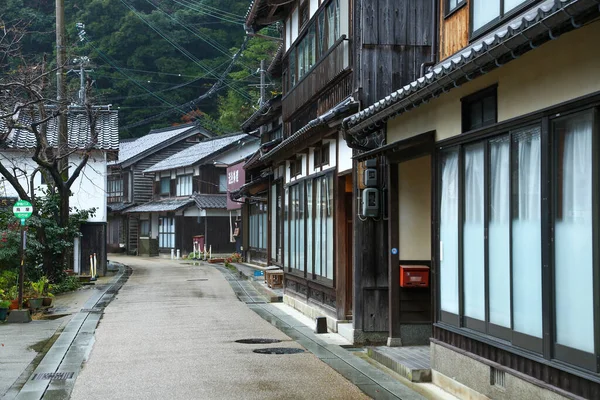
{"x":55,"y":375}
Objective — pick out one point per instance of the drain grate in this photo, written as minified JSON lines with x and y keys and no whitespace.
{"x":279,"y":350}
{"x":196,"y":280}
{"x":258,"y":341}
{"x":53,"y":376}
{"x":92,"y":310}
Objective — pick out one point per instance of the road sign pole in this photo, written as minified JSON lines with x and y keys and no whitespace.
{"x":22,"y":267}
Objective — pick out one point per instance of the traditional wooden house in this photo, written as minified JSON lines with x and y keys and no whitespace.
{"x":128,"y":186}
{"x":90,"y":187}
{"x":493,"y":164}
{"x":190,"y":197}
{"x":337,"y":55}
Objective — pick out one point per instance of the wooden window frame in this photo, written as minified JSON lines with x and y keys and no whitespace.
{"x":450,"y":11}
{"x":546,"y":348}
{"x":478,"y":97}
{"x":160,"y":185}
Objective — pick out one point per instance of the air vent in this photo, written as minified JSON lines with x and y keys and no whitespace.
{"x":497,"y":378}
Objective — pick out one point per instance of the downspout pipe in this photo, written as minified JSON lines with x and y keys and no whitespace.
{"x":434,"y":38}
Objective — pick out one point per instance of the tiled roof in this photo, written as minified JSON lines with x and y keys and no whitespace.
{"x":301,"y":138}
{"x":266,"y":112}
{"x":130,"y":149}
{"x":525,"y":32}
{"x":196,"y":153}
{"x":171,"y":204}
{"x":208,"y":201}
{"x":107,"y":126}
{"x":116,"y":207}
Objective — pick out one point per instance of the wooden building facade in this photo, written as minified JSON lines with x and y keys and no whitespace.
{"x":494,"y":153}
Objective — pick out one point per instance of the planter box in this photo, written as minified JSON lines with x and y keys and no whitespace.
{"x":216,"y":260}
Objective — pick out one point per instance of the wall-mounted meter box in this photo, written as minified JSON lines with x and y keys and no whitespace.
{"x":370,"y":202}
{"x":370,"y":177}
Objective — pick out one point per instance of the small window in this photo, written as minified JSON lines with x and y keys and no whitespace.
{"x":452,"y":5}
{"x":223,"y":183}
{"x":145,"y":228}
{"x":317,"y":157}
{"x":184,"y":185}
{"x":295,"y":168}
{"x":321,"y":155}
{"x":479,"y":110}
{"x":165,"y":185}
{"x":304,"y":14}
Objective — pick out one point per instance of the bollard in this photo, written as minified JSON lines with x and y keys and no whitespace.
{"x":91,"y":265}
{"x":210,"y":252}
{"x":204,"y":251}
{"x":95,"y":266}
{"x":178,"y":254}
{"x":172,"y":254}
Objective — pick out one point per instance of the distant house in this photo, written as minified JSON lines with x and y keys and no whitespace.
{"x":90,"y":187}
{"x":190,"y":197}
{"x":128,"y":186}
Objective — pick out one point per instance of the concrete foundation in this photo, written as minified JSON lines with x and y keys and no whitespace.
{"x":469,"y":379}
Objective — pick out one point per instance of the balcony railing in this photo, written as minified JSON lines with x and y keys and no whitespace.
{"x":330,"y":66}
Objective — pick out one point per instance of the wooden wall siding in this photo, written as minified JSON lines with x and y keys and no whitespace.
{"x":133,"y":229}
{"x":335,"y":94}
{"x":385,"y":69}
{"x":330,"y":67}
{"x":547,"y":374}
{"x":396,"y":37}
{"x":217,"y":231}
{"x":454,"y":31}
{"x":208,"y":180}
{"x":395,"y":22}
{"x":93,"y":240}
{"x":311,"y":292}
{"x":143,"y":184}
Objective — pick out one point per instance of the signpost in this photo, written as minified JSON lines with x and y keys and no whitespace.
{"x":22,"y":210}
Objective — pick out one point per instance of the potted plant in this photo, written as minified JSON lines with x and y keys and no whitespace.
{"x":12,"y":296}
{"x":36,"y":298}
{"x":4,"y":304}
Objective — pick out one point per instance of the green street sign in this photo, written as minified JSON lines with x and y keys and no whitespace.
{"x":22,"y":209}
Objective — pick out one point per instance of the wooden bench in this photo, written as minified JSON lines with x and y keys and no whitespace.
{"x":274,"y":279}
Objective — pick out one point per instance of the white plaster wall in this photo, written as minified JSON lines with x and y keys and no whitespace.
{"x":414,"y":194}
{"x":558,"y":71}
{"x":89,"y":190}
{"x":344,"y":156}
{"x":311,"y":160}
{"x":332,"y":154}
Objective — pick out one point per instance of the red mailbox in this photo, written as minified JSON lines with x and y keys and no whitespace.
{"x":414,"y":276}
{"x":199,"y":241}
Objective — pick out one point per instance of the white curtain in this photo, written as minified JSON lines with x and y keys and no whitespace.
{"x":449,"y":233}
{"x":309,"y":225}
{"x":499,"y":232}
{"x":484,"y":11}
{"x":573,"y":245}
{"x":286,"y":231}
{"x":328,"y":191}
{"x":473,"y":234}
{"x":526,"y":230}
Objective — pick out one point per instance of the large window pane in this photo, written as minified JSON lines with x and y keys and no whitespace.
{"x":318,"y":225}
{"x":286,"y":229}
{"x":328,"y":180}
{"x":333,"y":22}
{"x":293,"y":219}
{"x":499,"y":232}
{"x":526,"y":231}
{"x":511,"y":4}
{"x":301,"y":245}
{"x":473,"y":233}
{"x":449,"y":233}
{"x":573,"y":247}
{"x":484,"y":11}
{"x":309,"y":226}
{"x":274,"y":219}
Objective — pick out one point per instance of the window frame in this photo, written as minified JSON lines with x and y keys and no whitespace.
{"x":113,"y":196}
{"x":502,"y":18}
{"x":545,"y":348}
{"x":448,"y":11}
{"x":160,"y":185}
{"x":180,"y":179}
{"x":475,"y":98}
{"x":162,"y":233}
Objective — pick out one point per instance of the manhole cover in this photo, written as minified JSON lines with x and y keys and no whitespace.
{"x":279,"y":350}
{"x":258,"y":341}
{"x":54,"y":376}
{"x":196,"y":280}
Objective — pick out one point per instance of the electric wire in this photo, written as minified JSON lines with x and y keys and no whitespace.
{"x":197,"y":8}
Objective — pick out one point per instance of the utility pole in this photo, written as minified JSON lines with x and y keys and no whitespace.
{"x":61,"y":85}
{"x":82,"y":61}
{"x":262,"y":83}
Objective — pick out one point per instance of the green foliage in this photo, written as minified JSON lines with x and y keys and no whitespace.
{"x":67,"y":284}
{"x":41,"y":287}
{"x":123,"y":48}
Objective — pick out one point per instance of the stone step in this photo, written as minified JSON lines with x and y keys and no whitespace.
{"x":412,"y":362}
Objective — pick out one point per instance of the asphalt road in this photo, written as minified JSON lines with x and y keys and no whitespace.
{"x":170,"y":334}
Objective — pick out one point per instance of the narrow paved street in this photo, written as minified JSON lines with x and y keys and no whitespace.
{"x":170,"y":334}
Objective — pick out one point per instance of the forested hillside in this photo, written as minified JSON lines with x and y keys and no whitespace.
{"x":152,"y":59}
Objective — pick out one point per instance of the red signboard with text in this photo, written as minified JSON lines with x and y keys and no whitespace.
{"x":236,"y":178}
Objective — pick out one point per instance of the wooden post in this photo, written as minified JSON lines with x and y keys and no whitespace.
{"x":394,"y":338}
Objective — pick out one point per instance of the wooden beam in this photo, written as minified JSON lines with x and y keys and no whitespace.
{"x":269,"y":20}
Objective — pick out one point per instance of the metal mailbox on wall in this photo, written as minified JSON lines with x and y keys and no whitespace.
{"x":413,"y":276}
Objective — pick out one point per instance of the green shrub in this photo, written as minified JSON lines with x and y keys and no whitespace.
{"x":67,"y":284}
